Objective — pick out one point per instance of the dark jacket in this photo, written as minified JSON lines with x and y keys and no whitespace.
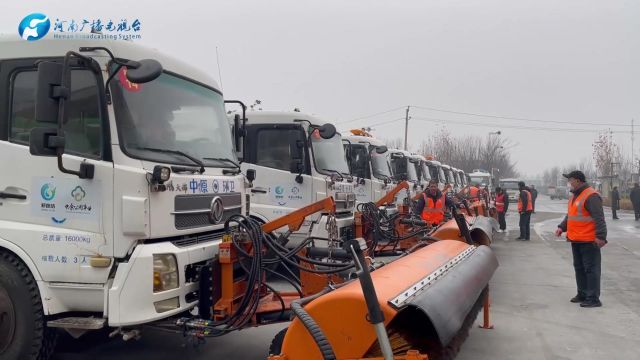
{"x":525,"y":199}
{"x":593,"y":204}
{"x":534,"y":194}
{"x":635,"y":195}
{"x":615,"y":199}
{"x":420,"y":203}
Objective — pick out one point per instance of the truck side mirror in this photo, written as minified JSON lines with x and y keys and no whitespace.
{"x":327,"y":131}
{"x":143,"y":71}
{"x":42,"y":141}
{"x":381,"y":149}
{"x":52,"y":92}
{"x":251,"y":175}
{"x":49,"y":91}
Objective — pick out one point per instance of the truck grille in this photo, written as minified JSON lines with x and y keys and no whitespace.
{"x":192,"y":211}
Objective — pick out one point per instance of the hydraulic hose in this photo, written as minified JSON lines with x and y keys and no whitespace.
{"x":312,"y":327}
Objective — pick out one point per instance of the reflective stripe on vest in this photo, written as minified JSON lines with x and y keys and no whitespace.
{"x":529,"y":202}
{"x":580,"y":225}
{"x":432,"y":212}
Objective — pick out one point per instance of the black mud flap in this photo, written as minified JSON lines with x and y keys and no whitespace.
{"x":448,"y":299}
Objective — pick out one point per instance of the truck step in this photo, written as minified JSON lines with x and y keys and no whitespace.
{"x":77,"y":323}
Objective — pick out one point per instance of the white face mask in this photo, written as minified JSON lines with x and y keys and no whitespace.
{"x":569,"y":185}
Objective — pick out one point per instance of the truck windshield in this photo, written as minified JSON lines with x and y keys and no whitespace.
{"x":441,"y":175}
{"x":328,"y":154}
{"x":380,"y":165}
{"x":172,"y":113}
{"x":449,"y":176}
{"x":411,"y":171}
{"x":463,"y":179}
{"x":418,"y":168}
{"x":479,"y":180}
{"x":426,"y":172}
{"x":401,"y":166}
{"x":509,"y":185}
{"x":456,"y":177}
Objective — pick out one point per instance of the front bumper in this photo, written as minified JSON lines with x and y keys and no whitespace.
{"x":130,"y":296}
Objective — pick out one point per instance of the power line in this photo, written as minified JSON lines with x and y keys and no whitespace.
{"x":514,"y":126}
{"x":513,"y":118}
{"x":370,"y":116}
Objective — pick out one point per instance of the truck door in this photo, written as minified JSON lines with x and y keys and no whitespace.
{"x":278,"y":153}
{"x":59,"y":220}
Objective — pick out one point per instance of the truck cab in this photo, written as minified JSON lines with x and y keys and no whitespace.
{"x":510,"y":186}
{"x":403,"y":168}
{"x":298,"y":159}
{"x":368,"y":160}
{"x":450,"y":178}
{"x":481,"y":177}
{"x":435,"y":169}
{"x":463,"y":178}
{"x":112,"y":195}
{"x":424,"y":176}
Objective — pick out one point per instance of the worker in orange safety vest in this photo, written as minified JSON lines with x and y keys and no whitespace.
{"x":587,"y":231}
{"x":525,"y":208}
{"x":433,"y":204}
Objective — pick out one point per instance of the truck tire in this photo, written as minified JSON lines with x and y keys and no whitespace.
{"x":23,"y":332}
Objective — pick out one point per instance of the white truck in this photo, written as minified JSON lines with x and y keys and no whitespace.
{"x":298,"y":159}
{"x":403,"y":168}
{"x":435,"y":168}
{"x":510,"y":187}
{"x":450,"y":178}
{"x":424,"y":175}
{"x":118,"y":174}
{"x":481,"y":178}
{"x":368,"y":160}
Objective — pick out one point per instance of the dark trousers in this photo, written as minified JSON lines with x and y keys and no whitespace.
{"x":502,"y":221}
{"x":525,"y":225}
{"x":615,"y":212}
{"x":586,"y":262}
{"x":636,"y":210}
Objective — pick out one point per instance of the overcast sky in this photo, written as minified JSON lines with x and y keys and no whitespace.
{"x":551,"y":60}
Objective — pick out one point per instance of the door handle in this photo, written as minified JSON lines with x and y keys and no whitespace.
{"x":259,"y":190}
{"x":6,"y":195}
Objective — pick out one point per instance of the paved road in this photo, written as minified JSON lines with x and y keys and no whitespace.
{"x":532,"y":315}
{"x":531,"y":310}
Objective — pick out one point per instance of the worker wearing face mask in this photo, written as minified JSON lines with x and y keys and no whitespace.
{"x":587,"y":231}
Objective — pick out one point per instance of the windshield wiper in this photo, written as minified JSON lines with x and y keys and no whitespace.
{"x":235,"y":164}
{"x":341,"y":178}
{"x":170,"y":151}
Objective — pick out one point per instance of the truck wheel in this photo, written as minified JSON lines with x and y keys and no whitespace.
{"x":23,"y":332}
{"x":276,"y":344}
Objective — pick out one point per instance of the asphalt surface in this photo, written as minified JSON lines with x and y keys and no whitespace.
{"x":530,"y":311}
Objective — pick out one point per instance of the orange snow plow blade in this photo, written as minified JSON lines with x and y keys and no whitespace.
{"x":480,"y":229}
{"x":429,"y":299}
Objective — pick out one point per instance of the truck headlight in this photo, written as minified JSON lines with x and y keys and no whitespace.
{"x":165,"y":272}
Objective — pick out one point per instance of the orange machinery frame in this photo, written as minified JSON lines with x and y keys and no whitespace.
{"x":232,"y":289}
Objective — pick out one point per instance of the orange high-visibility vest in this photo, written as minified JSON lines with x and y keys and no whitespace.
{"x":580,"y":224}
{"x":529,"y":202}
{"x":473,"y":192}
{"x":500,"y":202}
{"x":433,"y":213}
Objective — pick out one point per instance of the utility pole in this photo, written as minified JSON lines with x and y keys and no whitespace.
{"x":632,"y":138}
{"x":406,"y":127}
